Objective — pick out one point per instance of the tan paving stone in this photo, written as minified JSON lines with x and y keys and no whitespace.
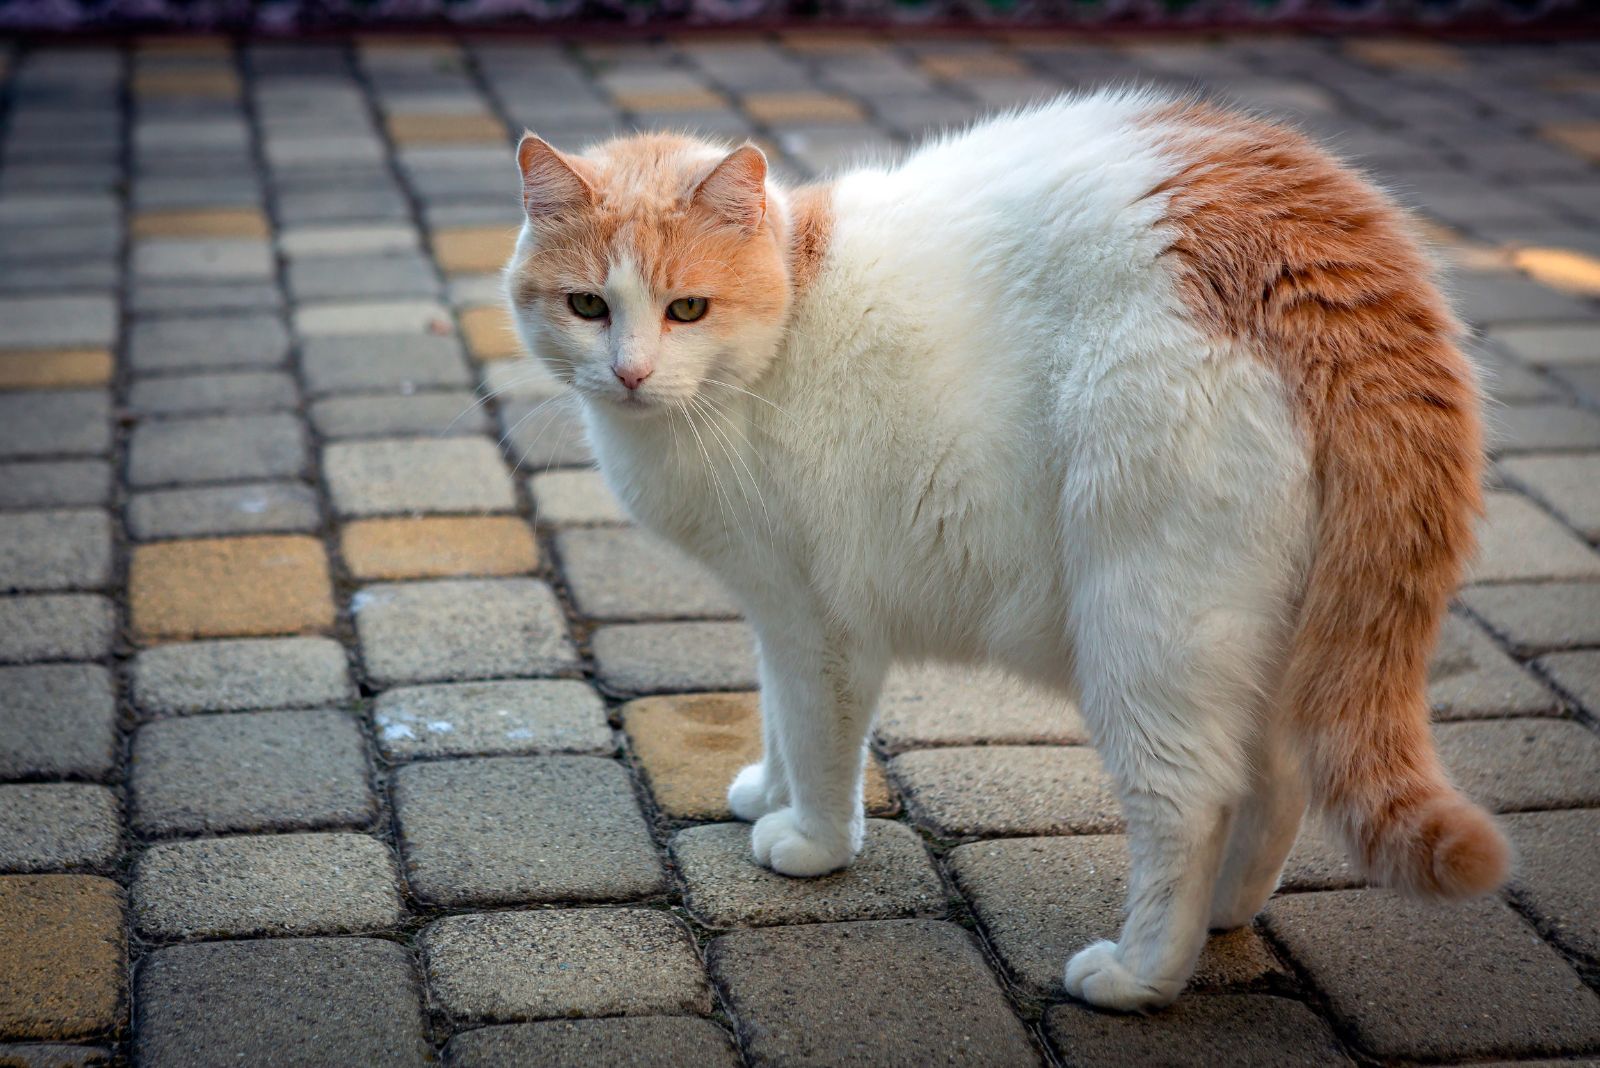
{"x":201,"y":222}
{"x":473,"y":249}
{"x":801,"y":108}
{"x":692,"y":745}
{"x":648,"y":103}
{"x":229,"y":587}
{"x":219,"y":83}
{"x":1406,"y":54}
{"x":956,"y":65}
{"x":438,"y":547}
{"x":1008,"y":789}
{"x":1561,"y":268}
{"x":54,"y":368}
{"x":425,"y":129}
{"x":62,"y":953}
{"x":488,"y":333}
{"x":1580,"y":137}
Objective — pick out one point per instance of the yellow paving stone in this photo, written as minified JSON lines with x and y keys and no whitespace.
{"x":692,"y":745}
{"x":423,"y":129}
{"x":678,"y":100}
{"x":438,"y":547}
{"x":1405,"y":54}
{"x":473,"y":249}
{"x":1581,"y":137}
{"x":54,"y":368}
{"x":797,"y":108}
{"x":63,"y":957}
{"x":201,"y":222}
{"x":221,"y":82}
{"x":487,"y":332}
{"x":973,"y":65}
{"x":1561,"y":268}
{"x":229,"y":588}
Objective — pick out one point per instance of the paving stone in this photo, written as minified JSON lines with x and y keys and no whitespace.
{"x":491,"y":719}
{"x":338,"y":1001}
{"x":208,"y":343}
{"x":1009,"y":790}
{"x":414,"y":475}
{"x":640,"y":658}
{"x":54,"y":368}
{"x":1518,"y":541}
{"x":1043,"y":899}
{"x":438,"y":547}
{"x":691,"y":746}
{"x":434,"y":413}
{"x":371,"y":317}
{"x":233,"y":676}
{"x":62,"y":957}
{"x":369,"y":364}
{"x":246,"y":508}
{"x":298,"y":207}
{"x":53,"y":1055}
{"x":207,"y":258}
{"x":936,"y":706}
{"x":461,"y":629}
{"x":288,"y":884}
{"x":307,"y":241}
{"x":216,"y":449}
{"x":229,"y":587}
{"x":1247,"y":1031}
{"x":59,"y":720}
{"x":562,"y":498}
{"x":504,"y":830}
{"x":1504,"y":298}
{"x":1551,"y":343}
{"x":1543,"y":427}
{"x":473,"y":249}
{"x":257,"y":771}
{"x":541,"y":436}
{"x":489,"y":334}
{"x":1317,"y":862}
{"x":334,"y":278}
{"x":629,"y":574}
{"x":37,"y":322}
{"x":59,"y":483}
{"x":59,"y":626}
{"x":1565,"y":484}
{"x":1558,"y":874}
{"x":901,"y":992}
{"x":1517,"y":764}
{"x":1534,"y":617}
{"x":1577,"y":674}
{"x":1419,"y":989}
{"x":726,"y":888}
{"x":56,"y":826}
{"x":627,"y":1042}
{"x":245,"y":391}
{"x":54,"y":550}
{"x":512,"y":966}
{"x":66,"y":423}
{"x":201,"y":222}
{"x":1470,"y":677}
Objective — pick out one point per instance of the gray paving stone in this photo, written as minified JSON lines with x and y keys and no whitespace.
{"x":55,"y":484}
{"x":725,"y":887}
{"x":368,"y":317}
{"x":1524,"y":428}
{"x":1566,"y":485}
{"x":1436,"y":982}
{"x":59,"y":827}
{"x":257,"y":771}
{"x":57,"y":626}
{"x":1470,"y":677}
{"x":241,"y":674}
{"x":1008,"y":789}
{"x":243,"y":391}
{"x":507,"y":967}
{"x":1557,"y":877}
{"x":636,"y":1042}
{"x":505,"y":830}
{"x":1249,"y":1031}
{"x":1317,"y":862}
{"x":203,"y":258}
{"x":1518,"y":541}
{"x":1551,"y":344}
{"x":339,"y":206}
{"x":207,"y":343}
{"x":461,"y":629}
{"x":399,"y":475}
{"x":147,"y":298}
{"x":37,"y":322}
{"x":523,"y":378}
{"x":491,"y":719}
{"x":61,"y":549}
{"x":383,"y":363}
{"x":1511,"y":765}
{"x":641,"y":658}
{"x":1043,"y":899}
{"x":1496,"y":298}
{"x":574,"y":498}
{"x":333,"y":278}
{"x":216,"y":449}
{"x":284,"y":884}
{"x":246,"y":508}
{"x":542,"y":438}
{"x":51,"y":1055}
{"x":331,"y":1001}
{"x":625,"y":573}
{"x":885,"y":992}
{"x":434,"y":413}
{"x":1505,"y":381}
{"x":1578,"y":675}
{"x":305,"y":241}
{"x":1534,"y":617}
{"x":48,"y":423}
{"x":59,"y":720}
{"x":937,"y":706}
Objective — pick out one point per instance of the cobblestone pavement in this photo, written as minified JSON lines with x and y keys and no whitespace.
{"x":343,"y":721}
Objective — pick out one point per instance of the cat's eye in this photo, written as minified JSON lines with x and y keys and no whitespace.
{"x":686,"y":309}
{"x":588,"y":305}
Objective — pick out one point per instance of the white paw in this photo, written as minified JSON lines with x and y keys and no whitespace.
{"x":1097,"y":975}
{"x":780,"y":843}
{"x":751,"y":796}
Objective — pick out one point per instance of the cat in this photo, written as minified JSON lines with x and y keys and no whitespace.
{"x":1143,"y":399}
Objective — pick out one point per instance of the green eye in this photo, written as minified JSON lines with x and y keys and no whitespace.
{"x":587,"y":305}
{"x":686,"y":309}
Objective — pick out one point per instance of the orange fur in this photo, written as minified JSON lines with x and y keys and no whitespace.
{"x":1276,"y":244}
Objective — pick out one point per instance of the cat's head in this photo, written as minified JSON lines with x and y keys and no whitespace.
{"x":648,"y":268}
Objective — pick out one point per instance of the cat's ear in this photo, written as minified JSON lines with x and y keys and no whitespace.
{"x":550,"y":184}
{"x":736,"y":189}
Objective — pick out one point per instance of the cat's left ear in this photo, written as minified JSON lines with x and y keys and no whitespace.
{"x":736,"y":188}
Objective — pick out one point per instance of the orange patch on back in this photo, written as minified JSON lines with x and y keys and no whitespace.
{"x":811,"y":230}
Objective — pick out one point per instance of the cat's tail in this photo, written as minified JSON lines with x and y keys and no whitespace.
{"x":1398,"y":457}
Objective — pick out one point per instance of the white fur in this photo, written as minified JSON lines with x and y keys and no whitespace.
{"x":989,"y":434}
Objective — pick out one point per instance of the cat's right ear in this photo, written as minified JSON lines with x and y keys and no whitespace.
{"x":551,"y":187}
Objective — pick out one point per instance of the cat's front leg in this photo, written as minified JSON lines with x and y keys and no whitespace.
{"x":762,"y":787}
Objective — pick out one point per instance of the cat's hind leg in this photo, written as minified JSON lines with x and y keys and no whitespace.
{"x":1264,"y":829}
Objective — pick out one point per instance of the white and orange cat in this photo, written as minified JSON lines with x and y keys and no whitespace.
{"x":1144,"y":400}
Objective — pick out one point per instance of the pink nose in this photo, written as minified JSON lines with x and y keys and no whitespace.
{"x":631,"y":377}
